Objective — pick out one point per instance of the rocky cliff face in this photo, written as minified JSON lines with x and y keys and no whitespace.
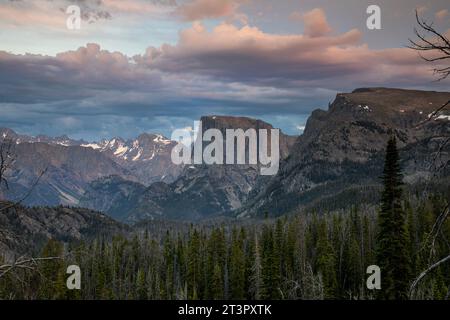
{"x":339,"y":156}
{"x":206,"y":190}
{"x":68,"y":170}
{"x":344,"y":146}
{"x":147,"y":157}
{"x":71,"y":165}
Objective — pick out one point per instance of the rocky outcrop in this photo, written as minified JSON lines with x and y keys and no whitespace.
{"x":344,"y":146}
{"x":147,"y":157}
{"x":203,"y":191}
{"x":71,"y":165}
{"x":68,"y":171}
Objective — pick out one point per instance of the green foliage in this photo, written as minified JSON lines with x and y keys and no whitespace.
{"x":308,"y":256}
{"x":393,"y":239}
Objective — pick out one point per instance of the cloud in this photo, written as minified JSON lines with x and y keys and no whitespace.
{"x":315,"y":21}
{"x":228,"y":65}
{"x":70,"y":75}
{"x":442,"y":14}
{"x":20,"y":13}
{"x":210,"y":9}
{"x":49,"y":13}
{"x":226,"y":70}
{"x":138,"y":6}
{"x":316,"y":24}
{"x":249,"y":55}
{"x":52,"y":13}
{"x":234,"y":62}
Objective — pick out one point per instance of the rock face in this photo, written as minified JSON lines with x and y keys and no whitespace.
{"x":147,"y":157}
{"x":71,"y":165}
{"x":24,"y":229}
{"x":344,"y":147}
{"x":203,"y":191}
{"x":68,"y":170}
{"x":339,"y":158}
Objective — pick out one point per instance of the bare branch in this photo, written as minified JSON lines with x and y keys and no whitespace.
{"x":26,"y":195}
{"x":434,"y":114}
{"x":437,"y":43}
{"x":7,"y":159}
{"x":424,"y":273}
{"x":22,"y":263}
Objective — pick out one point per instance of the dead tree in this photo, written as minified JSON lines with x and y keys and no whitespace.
{"x":437,"y":45}
{"x":434,"y":47}
{"x":7,"y":158}
{"x":23,"y":263}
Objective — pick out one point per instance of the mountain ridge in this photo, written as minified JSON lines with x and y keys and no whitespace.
{"x":344,"y":145}
{"x":341,"y":148}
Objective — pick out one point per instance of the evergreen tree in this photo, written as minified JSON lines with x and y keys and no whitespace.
{"x":256,"y":271}
{"x":326,"y":262}
{"x":393,"y":243}
{"x":237,"y":267}
{"x":51,"y":284}
{"x":270,"y":266}
{"x":141,"y":292}
{"x":193,"y":269}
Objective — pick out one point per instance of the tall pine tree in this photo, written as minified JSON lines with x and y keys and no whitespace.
{"x":393,"y":242}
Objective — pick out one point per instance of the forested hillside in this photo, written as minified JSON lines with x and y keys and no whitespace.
{"x":307,"y":256}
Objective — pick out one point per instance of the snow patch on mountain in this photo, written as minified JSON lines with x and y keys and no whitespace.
{"x":94,"y":146}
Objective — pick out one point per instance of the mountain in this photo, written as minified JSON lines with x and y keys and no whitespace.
{"x":64,"y":140}
{"x":343,"y":148}
{"x":71,"y":165}
{"x":23,"y":230}
{"x":68,"y":170}
{"x":203,"y":191}
{"x":113,"y":195}
{"x":147,"y":157}
{"x":336,"y":162}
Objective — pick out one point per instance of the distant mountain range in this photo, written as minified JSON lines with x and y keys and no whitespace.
{"x":336,"y":161}
{"x":72,"y":164}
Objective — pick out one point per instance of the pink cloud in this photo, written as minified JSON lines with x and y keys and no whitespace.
{"x":239,"y":59}
{"x":250,"y":55}
{"x":137,"y":6}
{"x":33,"y":14}
{"x":204,"y":9}
{"x":316,"y":24}
{"x":442,"y":14}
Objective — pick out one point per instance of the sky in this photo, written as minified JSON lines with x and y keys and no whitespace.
{"x":157,"y":65}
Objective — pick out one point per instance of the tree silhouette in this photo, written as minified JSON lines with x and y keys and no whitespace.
{"x":392,"y":255}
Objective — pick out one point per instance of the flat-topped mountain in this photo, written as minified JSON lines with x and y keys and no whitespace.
{"x":344,"y":146}
{"x":340,"y":153}
{"x":201,"y":190}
